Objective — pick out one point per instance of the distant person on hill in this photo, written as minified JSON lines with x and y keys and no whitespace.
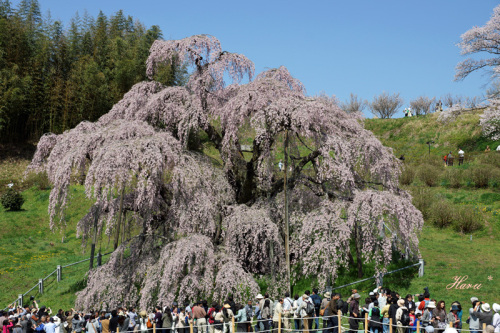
{"x":409,"y":112}
{"x":460,"y":156}
{"x":445,"y":160}
{"x":487,"y":150}
{"x":450,"y":159}
{"x":405,"y":112}
{"x":439,"y":106}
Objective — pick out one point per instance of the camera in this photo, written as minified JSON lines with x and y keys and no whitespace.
{"x":32,"y":298}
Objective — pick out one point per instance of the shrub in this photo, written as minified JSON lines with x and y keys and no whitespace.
{"x":429,"y":174}
{"x":12,"y":200}
{"x":454,"y":177}
{"x":407,"y":175}
{"x":467,"y":219}
{"x":481,"y":175}
{"x":441,"y":213}
{"x":39,"y":180}
{"x":422,"y":199}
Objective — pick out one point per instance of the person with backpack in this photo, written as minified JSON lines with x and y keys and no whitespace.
{"x":218,"y":320}
{"x":323,"y":309}
{"x":316,"y":299}
{"x":331,"y":312}
{"x":402,"y":317}
{"x":249,"y":314}
{"x":306,"y":311}
{"x":427,"y":318}
{"x":228,"y":315}
{"x":354,"y":313}
{"x":296,"y":316}
{"x":375,"y":324}
{"x":241,"y":319}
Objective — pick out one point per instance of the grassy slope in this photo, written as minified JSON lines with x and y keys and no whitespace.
{"x":447,"y":253}
{"x":29,"y":250}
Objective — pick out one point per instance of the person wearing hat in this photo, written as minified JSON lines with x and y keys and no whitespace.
{"x":322,"y":309}
{"x":427,"y":318}
{"x":485,"y":316}
{"x":354,"y":313}
{"x":332,"y":313}
{"x":399,"y":316}
{"x":302,"y":312}
{"x":473,"y":321}
{"x":452,"y":316}
{"x":496,"y":317}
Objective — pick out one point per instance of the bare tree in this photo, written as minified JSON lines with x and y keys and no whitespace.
{"x":422,"y":105}
{"x":449,"y":100}
{"x":472,"y":102}
{"x":354,"y":104}
{"x":385,"y":105}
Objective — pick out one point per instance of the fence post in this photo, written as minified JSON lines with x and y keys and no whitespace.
{"x":232,"y":325}
{"x":59,"y":273}
{"x":154,"y":327}
{"x":451,"y":324}
{"x":390,"y":325}
{"x":40,"y":286}
{"x":484,"y":327}
{"x":366,"y":322}
{"x":191,"y":326}
{"x":339,"y":314}
{"x":118,"y":329}
{"x":20,"y":300}
{"x":99,"y":259}
{"x":418,"y":326}
{"x":279,"y":322}
{"x":421,"y":268}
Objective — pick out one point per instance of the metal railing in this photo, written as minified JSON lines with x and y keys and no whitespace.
{"x":57,"y":271}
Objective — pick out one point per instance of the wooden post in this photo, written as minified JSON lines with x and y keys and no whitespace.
{"x":390,"y":325}
{"x":190,"y":326}
{"x":484,"y":327}
{"x":279,"y":322}
{"x":418,"y":326}
{"x":339,"y":313}
{"x":154,"y":327}
{"x":59,"y":273}
{"x":451,"y":324}
{"x":117,"y":329}
{"x":40,"y":286}
{"x":366,"y":322}
{"x":232,"y":325}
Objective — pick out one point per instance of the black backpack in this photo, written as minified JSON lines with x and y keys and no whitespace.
{"x":309,"y":308}
{"x":405,"y":318}
{"x":343,"y":306}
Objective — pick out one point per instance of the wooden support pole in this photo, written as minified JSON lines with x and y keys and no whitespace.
{"x":117,"y":329}
{"x":232,"y":325}
{"x":484,"y":327}
{"x":191,"y":327}
{"x":366,"y":322}
{"x":451,"y":324}
{"x":339,"y":313}
{"x":154,"y":327}
{"x":279,"y":322}
{"x":390,"y":325}
{"x":418,"y":326}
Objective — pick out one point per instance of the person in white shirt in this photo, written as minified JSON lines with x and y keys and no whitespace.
{"x":460,"y":156}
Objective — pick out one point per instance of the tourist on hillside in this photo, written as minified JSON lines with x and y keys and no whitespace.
{"x":485,"y":316}
{"x":439,"y":315}
{"x":445,"y":157}
{"x":218,"y":320}
{"x":487,"y":150}
{"x":323,"y":308}
{"x":427,"y":317}
{"x":92,"y":325}
{"x":288,"y":311}
{"x":453,"y":317}
{"x":265,"y":314}
{"x":240,"y":319}
{"x":384,"y":312}
{"x":402,"y":316}
{"x":277,"y":313}
{"x":473,"y":320}
{"x":461,"y":154}
{"x":332,"y":312}
{"x":354,"y":313}
{"x":306,"y":311}
{"x":250,"y":314}
{"x":296,"y":315}
{"x":166,"y":320}
{"x":316,"y":299}
{"x":211,"y":317}
{"x":496,"y":317}
{"x":375,"y":319}
{"x":450,"y":159}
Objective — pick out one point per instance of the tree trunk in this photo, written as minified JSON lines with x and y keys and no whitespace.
{"x":94,"y":239}
{"x":358,"y":253}
{"x":119,"y":222}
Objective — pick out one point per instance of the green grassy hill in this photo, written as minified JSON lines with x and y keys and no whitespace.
{"x":29,"y":250}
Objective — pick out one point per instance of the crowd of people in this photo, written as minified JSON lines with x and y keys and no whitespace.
{"x":307,"y":313}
